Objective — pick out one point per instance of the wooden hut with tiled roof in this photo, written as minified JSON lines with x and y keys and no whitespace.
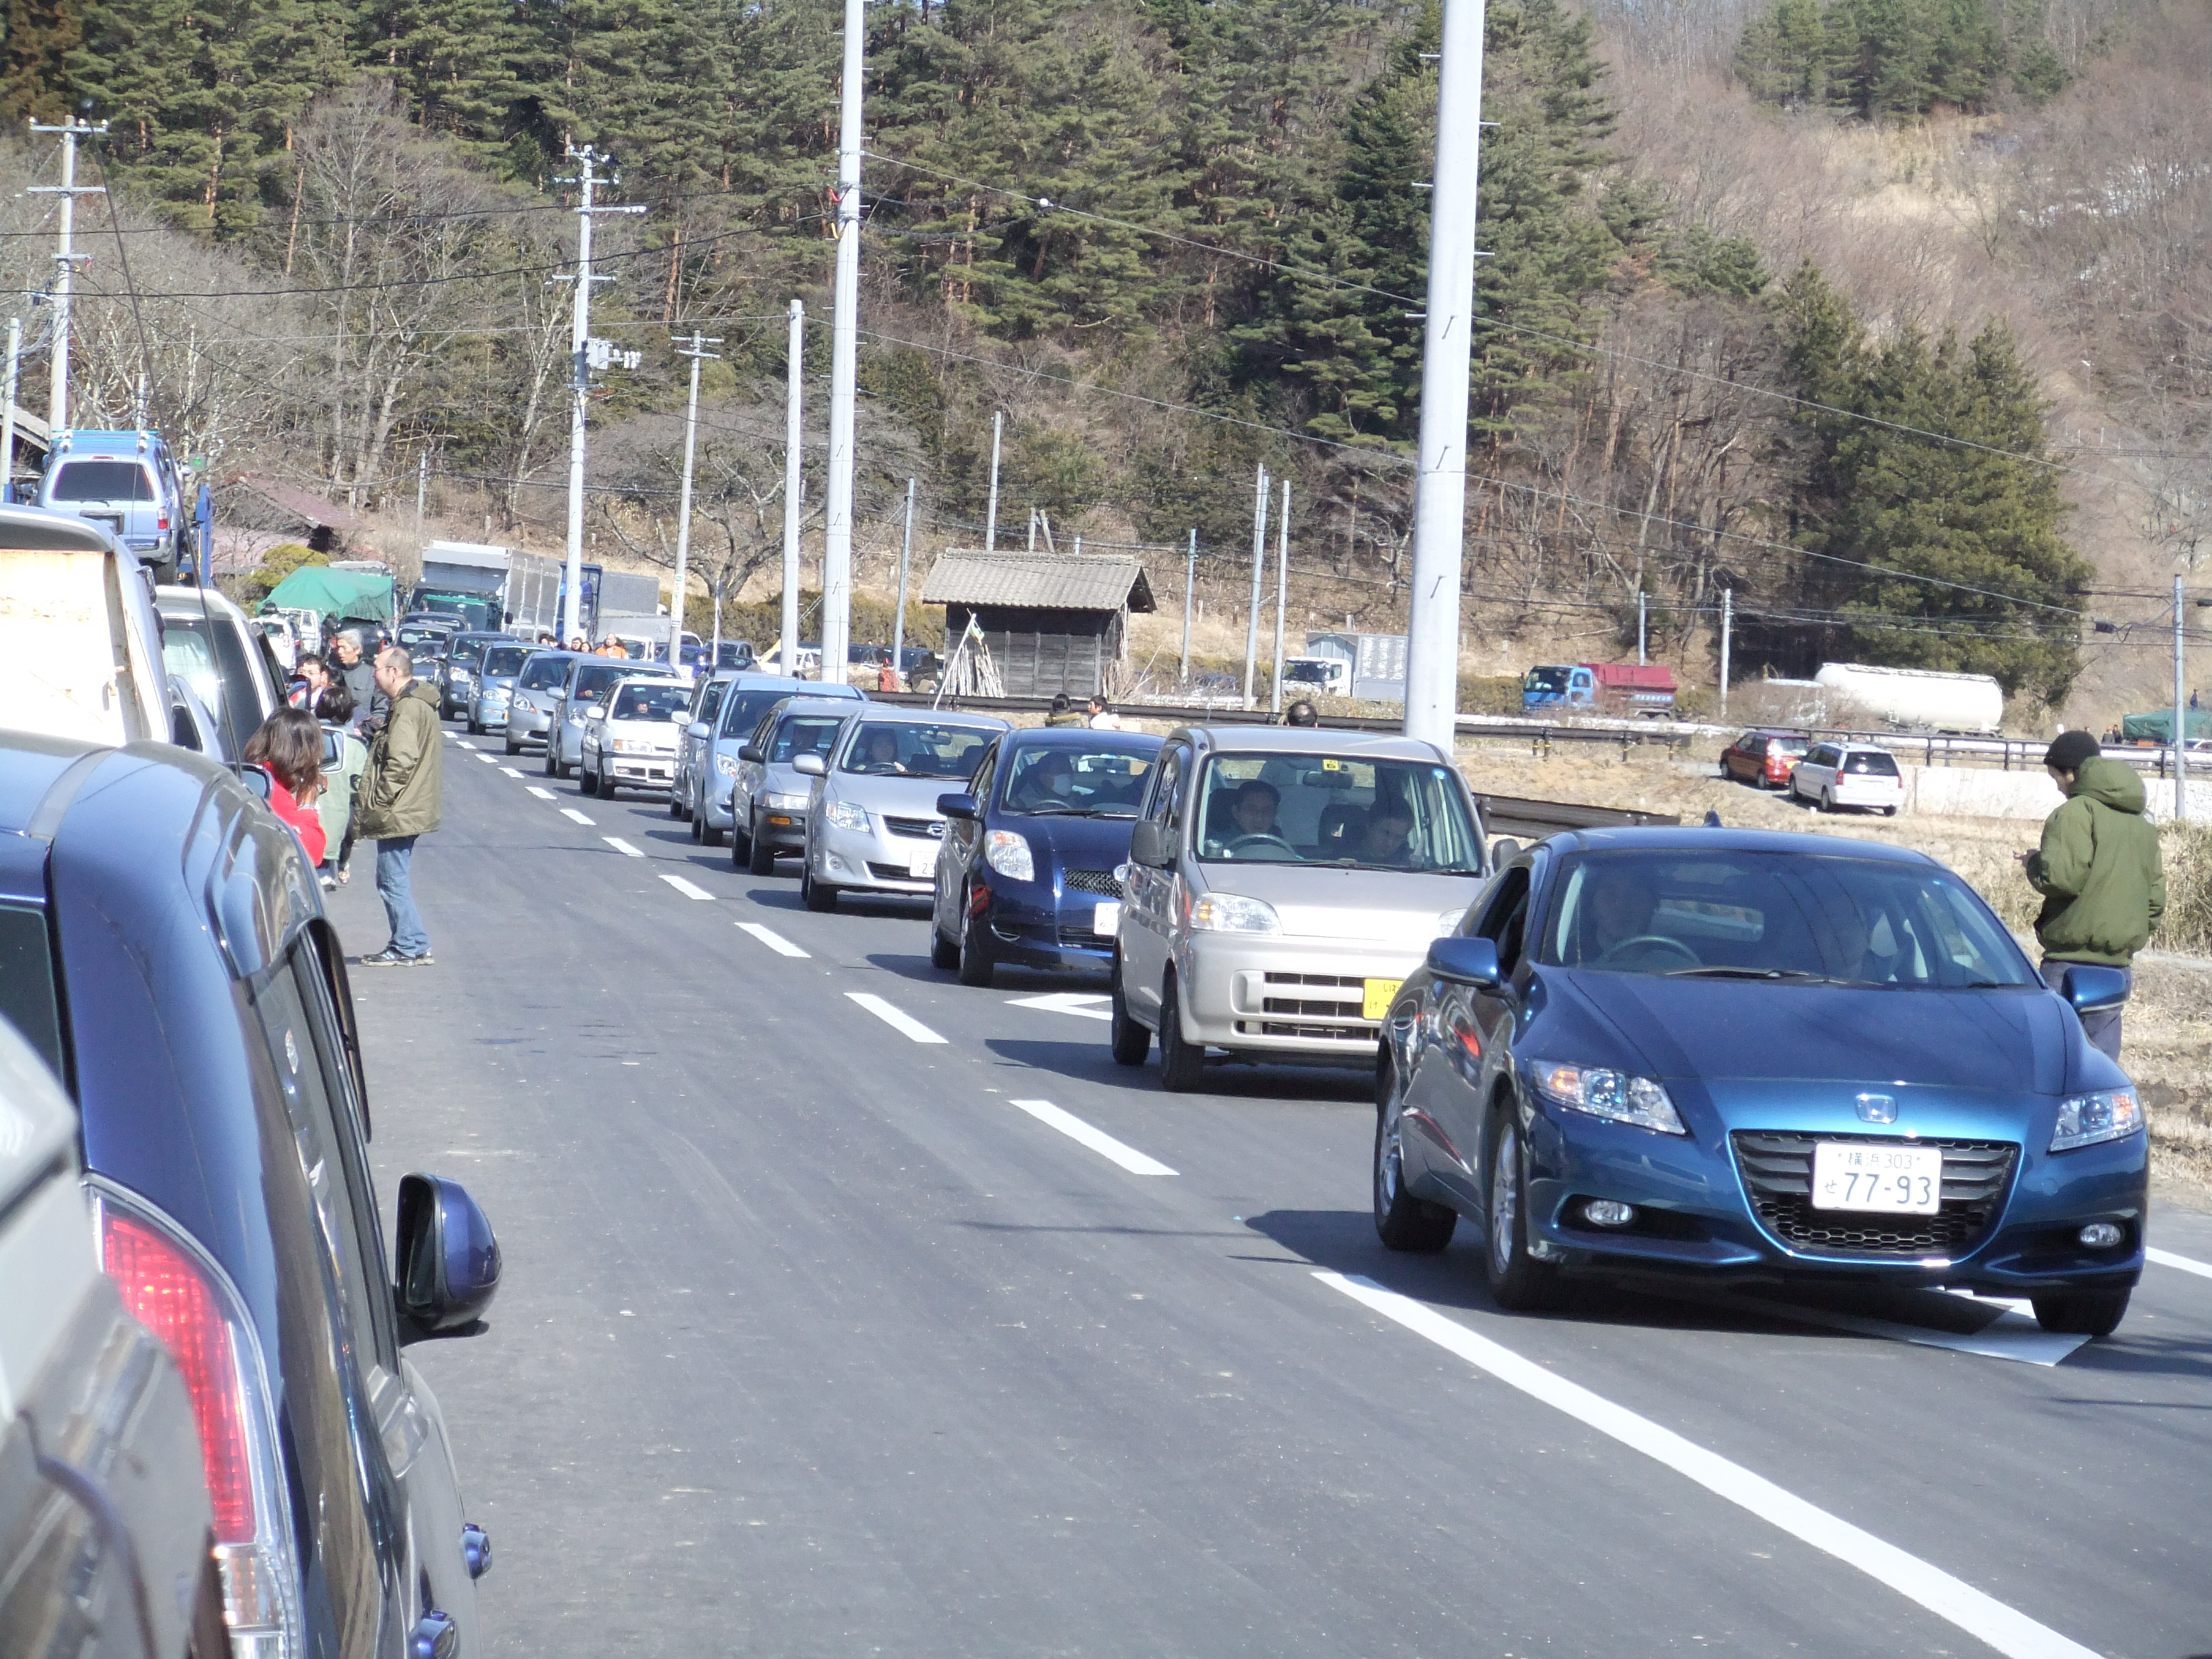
{"x":1052,"y":622}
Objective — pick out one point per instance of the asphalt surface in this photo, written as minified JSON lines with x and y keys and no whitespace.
{"x":813,"y":1342}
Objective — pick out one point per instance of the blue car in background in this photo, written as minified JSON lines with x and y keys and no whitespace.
{"x":1729,"y":1055}
{"x":1027,"y":872}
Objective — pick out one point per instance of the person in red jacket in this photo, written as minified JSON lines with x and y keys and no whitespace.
{"x":288,"y":746}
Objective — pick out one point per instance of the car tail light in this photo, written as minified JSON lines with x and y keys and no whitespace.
{"x":183,"y":1298}
{"x":163,"y":523}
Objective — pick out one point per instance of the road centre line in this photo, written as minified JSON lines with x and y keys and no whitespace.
{"x":2186,"y":1264}
{"x":488,"y":760}
{"x":897,"y":1019}
{"x":686,"y":888}
{"x":574,"y":816}
{"x":620,"y":845}
{"x":542,"y":794}
{"x":1982,"y":1616}
{"x":774,"y":941}
{"x":1097,"y":1140}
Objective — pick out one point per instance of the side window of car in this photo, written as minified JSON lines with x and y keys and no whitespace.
{"x":1164,"y":806}
{"x":981,"y":788}
{"x":1505,"y":918}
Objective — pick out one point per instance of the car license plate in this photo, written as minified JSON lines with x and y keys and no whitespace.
{"x":1376,"y":1003}
{"x":924,"y":865}
{"x":1106,"y":918}
{"x":1895,"y":1179}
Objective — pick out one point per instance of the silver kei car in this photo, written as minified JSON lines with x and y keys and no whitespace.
{"x":1282,"y":883}
{"x":491,"y":693}
{"x":768,"y":793}
{"x":872,"y":824}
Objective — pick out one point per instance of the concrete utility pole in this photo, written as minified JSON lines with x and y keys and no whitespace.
{"x":991,"y":513}
{"x":1440,"y":492}
{"x":1641,"y":596}
{"x":898,"y":617}
{"x":794,"y":485}
{"x":1727,"y":632}
{"x":698,"y":354}
{"x":14,"y":380}
{"x":1259,"y":562}
{"x":844,"y":360}
{"x":1189,"y":586}
{"x":1282,"y":591}
{"x":57,"y":386}
{"x":2180,"y":718}
{"x":579,"y":376}
{"x":422,"y":489}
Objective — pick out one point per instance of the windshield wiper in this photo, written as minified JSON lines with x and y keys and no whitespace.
{"x":1075,"y":812}
{"x":1797,"y":974}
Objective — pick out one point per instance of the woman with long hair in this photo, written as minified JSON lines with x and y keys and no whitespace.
{"x":288,"y":746}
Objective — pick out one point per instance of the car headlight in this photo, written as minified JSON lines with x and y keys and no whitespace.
{"x":846,"y":815}
{"x":786,"y":803}
{"x":1641,"y":1101}
{"x":1230,"y":913}
{"x":2108,"y":1115}
{"x":727,"y":765}
{"x":1008,"y":852}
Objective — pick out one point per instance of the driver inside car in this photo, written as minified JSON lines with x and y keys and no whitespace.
{"x":882,"y":753}
{"x":1049,"y":782}
{"x":1616,"y":924}
{"x":1251,"y":813}
{"x":1384,"y":839}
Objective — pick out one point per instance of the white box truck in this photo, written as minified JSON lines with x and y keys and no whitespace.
{"x":1375,"y":663}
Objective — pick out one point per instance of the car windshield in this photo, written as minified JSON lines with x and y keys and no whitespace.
{"x":1785,"y":916}
{"x":592,"y":680}
{"x":742,"y":710}
{"x":102,"y":481}
{"x":504,"y":659}
{"x":804,"y":734}
{"x":1331,"y":809}
{"x":415,"y":638}
{"x":1312,"y":674}
{"x":1870,"y":763}
{"x":650,"y":703}
{"x":906,"y":749}
{"x":466,"y":650}
{"x":1545,"y":679}
{"x":544,"y":674}
{"x":1104,"y":782}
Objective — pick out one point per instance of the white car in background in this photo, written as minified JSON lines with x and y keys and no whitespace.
{"x":1836,"y":775}
{"x":630,"y":736}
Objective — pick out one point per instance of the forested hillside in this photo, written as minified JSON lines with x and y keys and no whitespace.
{"x":1174,"y":239}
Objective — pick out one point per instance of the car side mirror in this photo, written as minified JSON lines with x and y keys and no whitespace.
{"x":1470,"y":961}
{"x":1503,"y":850}
{"x":595,"y":713}
{"x":958,"y":806}
{"x":448,"y":1259}
{"x":750,"y":754}
{"x":696,"y":729}
{"x":810,"y":766}
{"x":1154,"y":844}
{"x":2094,"y":990}
{"x":256,"y":778}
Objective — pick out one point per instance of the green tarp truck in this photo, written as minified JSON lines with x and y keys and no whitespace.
{"x":334,"y":595}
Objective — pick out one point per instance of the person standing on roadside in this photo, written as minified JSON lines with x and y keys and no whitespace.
{"x":1102,"y":718}
{"x":398,"y":802}
{"x":2098,"y":871}
{"x":310,"y":676}
{"x":357,"y":676}
{"x":334,"y":709}
{"x":1062,"y":712}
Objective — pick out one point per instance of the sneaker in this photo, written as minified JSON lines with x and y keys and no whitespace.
{"x":426,"y":960}
{"x":388,"y":958}
{"x":330,"y":884}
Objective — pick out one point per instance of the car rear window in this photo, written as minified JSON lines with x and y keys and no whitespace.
{"x":1872,"y":763}
{"x":1787,"y":746}
{"x":102,"y":481}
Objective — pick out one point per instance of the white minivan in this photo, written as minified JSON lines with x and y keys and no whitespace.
{"x":1834,"y":774}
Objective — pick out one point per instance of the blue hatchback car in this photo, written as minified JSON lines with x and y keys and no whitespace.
{"x":1730,"y":1054}
{"x":1027,"y":874}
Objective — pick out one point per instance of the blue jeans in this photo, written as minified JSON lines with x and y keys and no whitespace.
{"x":2103,"y":1029}
{"x":393,"y":860}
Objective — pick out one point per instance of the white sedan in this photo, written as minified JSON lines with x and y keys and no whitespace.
{"x":631,"y":738}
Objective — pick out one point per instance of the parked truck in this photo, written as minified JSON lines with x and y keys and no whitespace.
{"x":1374,"y":665}
{"x":629,"y":604}
{"x":1604,"y":687}
{"x":1912,"y":699}
{"x":483,"y":586}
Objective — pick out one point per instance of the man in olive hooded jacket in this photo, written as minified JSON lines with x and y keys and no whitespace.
{"x":2098,"y":871}
{"x":398,"y":800}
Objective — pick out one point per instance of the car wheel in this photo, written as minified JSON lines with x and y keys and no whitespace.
{"x":552,"y":770}
{"x":1727,"y":776}
{"x":603,"y":783}
{"x":944,"y":953}
{"x":1401,"y":1221}
{"x":1518,"y":1282}
{"x":1131,"y":1040}
{"x":1827,"y":802}
{"x":698,"y":825}
{"x":816,"y":895}
{"x":2081,"y":1313}
{"x":976,"y":965}
{"x":1889,"y":811}
{"x":513,"y":747}
{"x":677,"y":809}
{"x":741,"y":844}
{"x":760,"y":852}
{"x":1182,"y":1065}
{"x":708,"y":835}
{"x":470,"y":722}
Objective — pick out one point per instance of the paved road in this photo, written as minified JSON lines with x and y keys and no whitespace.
{"x":816,"y":1341}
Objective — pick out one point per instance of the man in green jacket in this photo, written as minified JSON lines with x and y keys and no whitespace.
{"x":2098,"y":871}
{"x":399,"y":801}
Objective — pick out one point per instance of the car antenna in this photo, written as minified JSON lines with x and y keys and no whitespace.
{"x":1712,"y":819}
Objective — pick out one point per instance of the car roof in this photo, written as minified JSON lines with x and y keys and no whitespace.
{"x":1773,"y":731}
{"x":892,"y":714}
{"x":654,"y":679}
{"x":754,"y":681}
{"x":36,"y":530}
{"x":840,"y":706}
{"x":1078,"y":736}
{"x":1305,"y":740}
{"x":186,"y":602}
{"x":31,"y":763}
{"x":1695,"y":838}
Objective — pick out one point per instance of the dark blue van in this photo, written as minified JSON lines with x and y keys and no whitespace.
{"x":162,"y":944}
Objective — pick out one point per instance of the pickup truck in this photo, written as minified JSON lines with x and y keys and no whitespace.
{"x":1611,"y":688}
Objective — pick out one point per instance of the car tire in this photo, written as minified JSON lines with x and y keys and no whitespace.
{"x":815,"y":895}
{"x":1727,"y":776}
{"x":2081,"y":1313}
{"x":469,"y":724}
{"x":1182,"y":1065}
{"x":1402,"y":1222}
{"x":551,"y":770}
{"x":603,"y":783}
{"x":944,"y":954}
{"x":977,"y":966}
{"x":698,"y":825}
{"x":1518,"y":1282}
{"x":1131,"y":1042}
{"x":675,"y":806}
{"x":1827,"y":802}
{"x":760,"y":852}
{"x":513,"y":747}
{"x":1889,"y":811}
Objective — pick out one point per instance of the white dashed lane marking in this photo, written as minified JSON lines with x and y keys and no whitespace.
{"x":684,"y":886}
{"x":573,"y":815}
{"x":897,"y":1019}
{"x":620,"y":845}
{"x":542,"y":794}
{"x":2186,"y":1264}
{"x":1095,"y":1139}
{"x":774,"y":941}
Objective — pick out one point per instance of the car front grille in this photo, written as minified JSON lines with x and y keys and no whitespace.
{"x":1348,"y":980}
{"x":1081,"y":934}
{"x":893,"y":872}
{"x":1777,"y":1174}
{"x":1362,"y":1033}
{"x":1101,"y":882}
{"x":920,"y":828}
{"x":1309,"y":1009}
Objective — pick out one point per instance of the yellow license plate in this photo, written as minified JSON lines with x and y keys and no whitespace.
{"x":1378,"y":1001}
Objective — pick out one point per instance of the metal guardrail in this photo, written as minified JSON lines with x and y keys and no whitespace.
{"x":1512,"y":815}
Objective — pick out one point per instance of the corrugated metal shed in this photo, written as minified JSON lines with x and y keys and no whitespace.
{"x":1038,"y":581}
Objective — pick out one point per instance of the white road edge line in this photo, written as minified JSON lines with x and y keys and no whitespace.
{"x":1984,"y":1617}
{"x":774,"y":941}
{"x":897,"y":1019}
{"x":1097,"y":1140}
{"x":572,"y":814}
{"x":2186,"y":1264}
{"x":687,"y":889}
{"x":620,"y":845}
{"x":542,"y":794}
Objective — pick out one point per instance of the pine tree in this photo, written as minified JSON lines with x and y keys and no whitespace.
{"x":40,"y":34}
